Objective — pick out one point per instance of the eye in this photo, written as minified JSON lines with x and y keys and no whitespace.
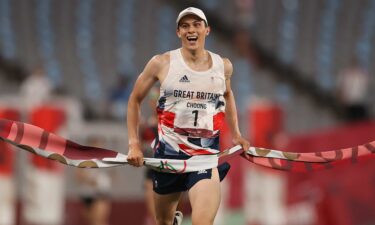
{"x":184,"y":26}
{"x":197,"y":24}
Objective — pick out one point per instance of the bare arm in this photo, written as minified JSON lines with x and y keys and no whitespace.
{"x":230,"y":109}
{"x":142,"y":86}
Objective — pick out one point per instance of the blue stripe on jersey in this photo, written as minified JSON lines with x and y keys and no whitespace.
{"x":212,"y":143}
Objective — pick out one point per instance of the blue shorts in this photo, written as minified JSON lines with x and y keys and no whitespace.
{"x":167,"y":183}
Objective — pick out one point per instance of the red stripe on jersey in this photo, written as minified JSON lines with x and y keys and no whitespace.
{"x":202,"y":133}
{"x":218,"y":120}
{"x":194,"y":151}
{"x":167,"y":118}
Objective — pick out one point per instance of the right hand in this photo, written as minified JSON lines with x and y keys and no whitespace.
{"x":135,"y":155}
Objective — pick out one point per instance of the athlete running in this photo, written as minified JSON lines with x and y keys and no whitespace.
{"x":195,"y":97}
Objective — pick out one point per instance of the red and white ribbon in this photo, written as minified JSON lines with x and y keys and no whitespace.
{"x":38,"y":141}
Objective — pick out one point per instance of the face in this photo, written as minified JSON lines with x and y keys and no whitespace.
{"x":192,"y":31}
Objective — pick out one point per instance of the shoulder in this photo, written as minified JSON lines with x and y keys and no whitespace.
{"x":228,"y":67}
{"x":160,"y":60}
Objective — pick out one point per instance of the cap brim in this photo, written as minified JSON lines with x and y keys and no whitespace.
{"x":189,"y":13}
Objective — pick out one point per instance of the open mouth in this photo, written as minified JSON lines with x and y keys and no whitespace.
{"x":192,"y":39}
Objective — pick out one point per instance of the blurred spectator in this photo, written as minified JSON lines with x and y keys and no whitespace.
{"x":7,"y":174}
{"x":244,"y":12}
{"x":241,"y":40}
{"x":36,"y":89}
{"x":352,"y":85}
{"x":243,"y":69}
{"x":118,"y":97}
{"x":95,"y":186}
{"x":44,"y":192}
{"x":265,"y":189}
{"x":7,"y":196}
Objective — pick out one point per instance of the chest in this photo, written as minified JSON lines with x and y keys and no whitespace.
{"x":185,"y":82}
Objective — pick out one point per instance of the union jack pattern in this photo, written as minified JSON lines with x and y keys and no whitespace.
{"x":191,"y":108}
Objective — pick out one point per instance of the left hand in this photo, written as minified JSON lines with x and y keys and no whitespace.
{"x":244,"y":144}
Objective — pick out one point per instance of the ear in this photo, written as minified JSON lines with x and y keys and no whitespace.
{"x":178,"y":33}
{"x":208,"y":31}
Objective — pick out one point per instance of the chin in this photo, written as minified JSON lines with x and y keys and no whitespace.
{"x":192,"y":47}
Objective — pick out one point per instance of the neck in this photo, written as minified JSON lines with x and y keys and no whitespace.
{"x":194,"y":55}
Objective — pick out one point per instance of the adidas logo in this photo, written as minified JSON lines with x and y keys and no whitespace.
{"x":202,"y":171}
{"x":185,"y":79}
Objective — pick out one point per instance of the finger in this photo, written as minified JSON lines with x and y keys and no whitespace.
{"x":246,"y":145}
{"x":139,"y":162}
{"x":133,"y":162}
{"x":245,"y":154}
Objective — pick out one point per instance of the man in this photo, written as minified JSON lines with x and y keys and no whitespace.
{"x":195,"y":92}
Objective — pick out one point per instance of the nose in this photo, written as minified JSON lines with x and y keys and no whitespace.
{"x":191,"y":29}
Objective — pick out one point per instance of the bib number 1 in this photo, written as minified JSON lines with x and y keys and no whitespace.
{"x":195,"y":112}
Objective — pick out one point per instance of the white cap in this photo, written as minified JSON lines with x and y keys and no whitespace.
{"x":191,"y":11}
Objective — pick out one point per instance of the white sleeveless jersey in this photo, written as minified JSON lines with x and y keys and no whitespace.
{"x":191,"y":108}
